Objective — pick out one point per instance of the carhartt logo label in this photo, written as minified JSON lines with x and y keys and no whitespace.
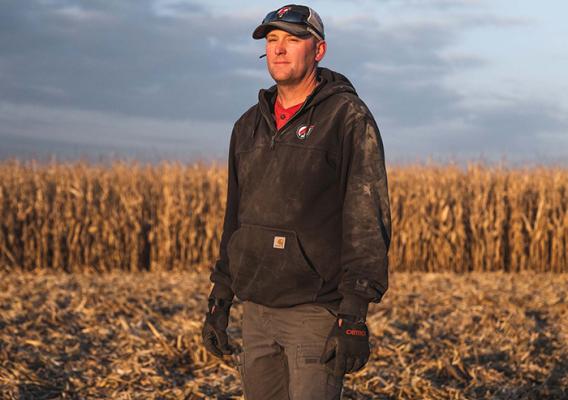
{"x":283,"y":11}
{"x":279,"y":242}
{"x":304,"y":131}
{"x":355,"y":332}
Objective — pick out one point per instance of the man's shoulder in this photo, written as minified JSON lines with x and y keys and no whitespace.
{"x":355,"y":107}
{"x":247,"y":117}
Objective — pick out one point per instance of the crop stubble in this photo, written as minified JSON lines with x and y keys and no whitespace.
{"x":137,"y":336}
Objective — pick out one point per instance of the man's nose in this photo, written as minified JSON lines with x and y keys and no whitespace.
{"x":280,"y":49}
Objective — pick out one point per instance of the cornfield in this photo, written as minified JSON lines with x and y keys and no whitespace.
{"x":131,"y":217}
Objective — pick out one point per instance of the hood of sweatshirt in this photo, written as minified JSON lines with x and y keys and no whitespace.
{"x":329,"y":84}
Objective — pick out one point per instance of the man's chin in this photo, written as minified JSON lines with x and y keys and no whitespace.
{"x":279,"y":76}
{"x":283,"y":80}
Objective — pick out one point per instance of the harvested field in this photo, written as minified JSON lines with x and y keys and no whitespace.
{"x":137,"y":336}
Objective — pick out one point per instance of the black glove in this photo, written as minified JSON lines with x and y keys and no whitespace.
{"x":348,"y":341}
{"x":214,"y":332}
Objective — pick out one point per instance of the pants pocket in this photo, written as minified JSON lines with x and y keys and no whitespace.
{"x":313,"y":381}
{"x":308,"y":355}
{"x":269,"y":267}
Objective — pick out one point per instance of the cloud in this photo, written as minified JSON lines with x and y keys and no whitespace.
{"x":35,"y":130}
{"x":82,"y":15}
{"x":135,"y":62}
{"x":401,"y":72}
{"x":172,"y":76}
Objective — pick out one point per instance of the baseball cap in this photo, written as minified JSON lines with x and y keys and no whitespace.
{"x":296,"y":19}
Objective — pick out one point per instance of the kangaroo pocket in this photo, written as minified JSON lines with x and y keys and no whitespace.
{"x":268,"y":267}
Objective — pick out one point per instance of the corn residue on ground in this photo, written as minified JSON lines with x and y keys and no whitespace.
{"x":137,"y":336}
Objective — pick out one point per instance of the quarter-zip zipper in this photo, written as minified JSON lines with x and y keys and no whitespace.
{"x":280,"y":131}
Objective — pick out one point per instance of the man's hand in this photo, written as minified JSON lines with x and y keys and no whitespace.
{"x":347,"y":346}
{"x":214,"y":332}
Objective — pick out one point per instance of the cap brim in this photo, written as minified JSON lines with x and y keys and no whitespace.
{"x":294,"y":29}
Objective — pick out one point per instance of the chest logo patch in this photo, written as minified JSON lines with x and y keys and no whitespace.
{"x":279,"y":242}
{"x":304,"y":131}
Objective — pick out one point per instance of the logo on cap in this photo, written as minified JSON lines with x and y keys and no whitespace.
{"x":283,"y":11}
{"x":304,"y":131}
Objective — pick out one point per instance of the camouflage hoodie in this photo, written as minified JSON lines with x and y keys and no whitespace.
{"x":308,"y":216}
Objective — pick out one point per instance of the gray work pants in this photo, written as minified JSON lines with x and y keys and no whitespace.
{"x":281,"y":351}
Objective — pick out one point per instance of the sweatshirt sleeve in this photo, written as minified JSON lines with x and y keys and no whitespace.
{"x":366,"y":218}
{"x":220,"y":274}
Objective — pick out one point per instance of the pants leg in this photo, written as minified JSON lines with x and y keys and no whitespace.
{"x":264,"y":370}
{"x":303,"y":330}
{"x":282,"y":347}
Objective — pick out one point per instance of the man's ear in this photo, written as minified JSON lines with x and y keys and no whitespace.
{"x":321,"y":47}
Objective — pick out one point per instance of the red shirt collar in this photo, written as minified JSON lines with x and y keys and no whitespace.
{"x":282,"y":115}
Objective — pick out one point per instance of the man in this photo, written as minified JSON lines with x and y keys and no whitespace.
{"x":307,"y":225}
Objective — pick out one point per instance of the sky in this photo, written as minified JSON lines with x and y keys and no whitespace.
{"x":152,"y":80}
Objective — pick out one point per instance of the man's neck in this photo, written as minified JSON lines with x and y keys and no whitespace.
{"x":290,"y":95}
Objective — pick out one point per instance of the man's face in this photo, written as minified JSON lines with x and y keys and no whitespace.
{"x":290,"y":58}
